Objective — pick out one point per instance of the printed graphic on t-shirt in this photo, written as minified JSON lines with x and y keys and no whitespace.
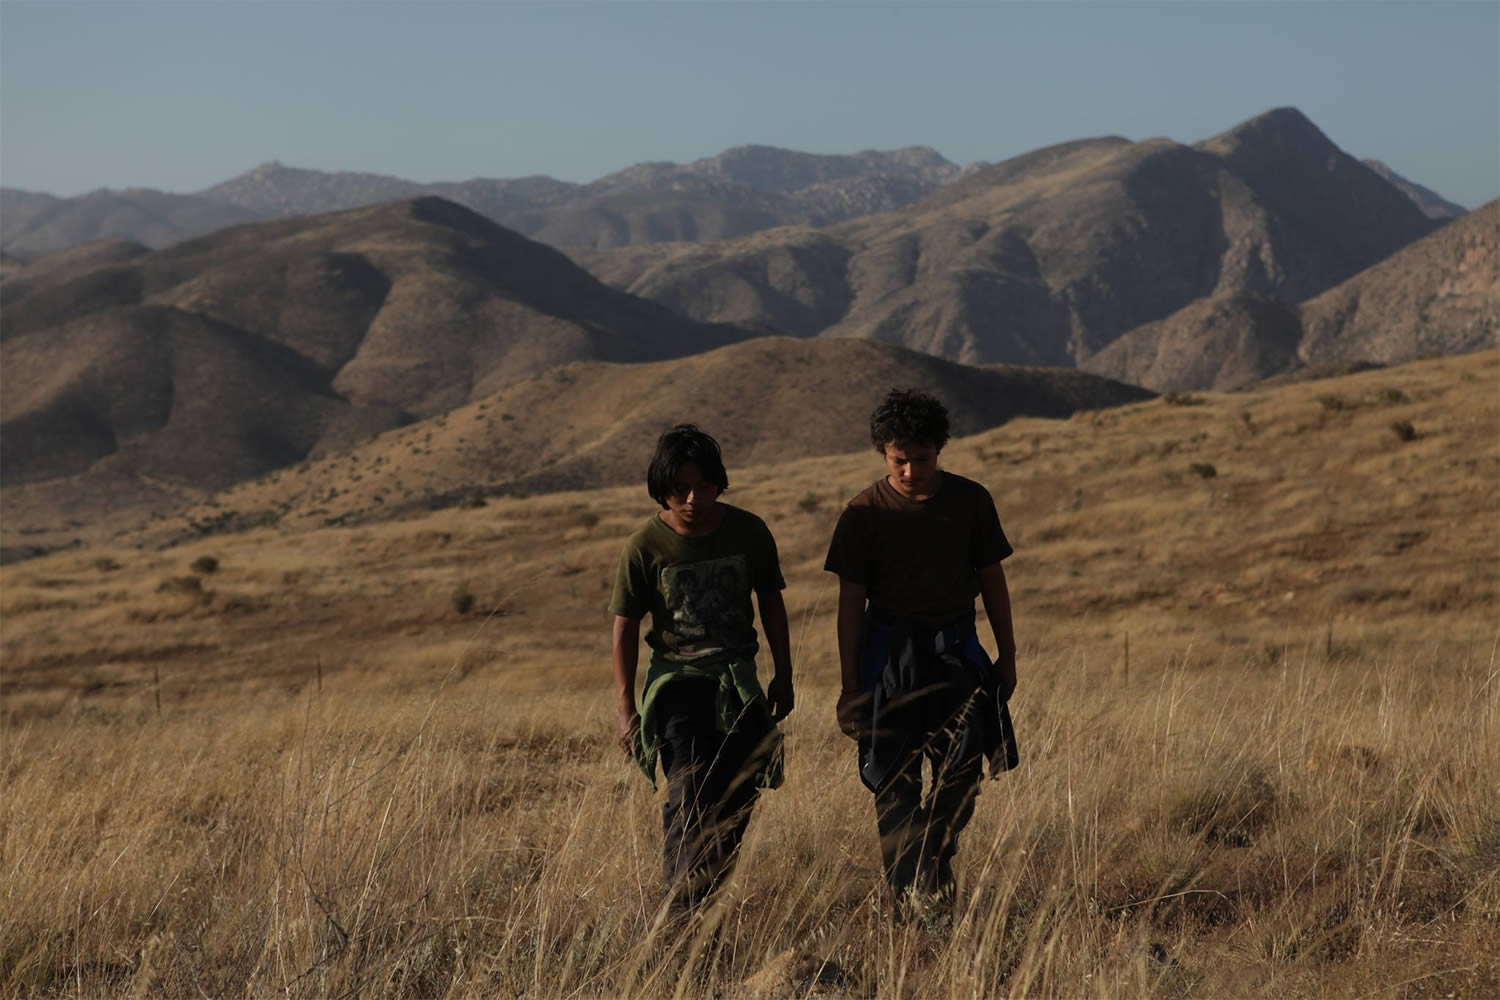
{"x":708,"y":604}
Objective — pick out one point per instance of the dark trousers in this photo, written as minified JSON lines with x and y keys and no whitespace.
{"x":919,"y":833}
{"x":711,"y":789}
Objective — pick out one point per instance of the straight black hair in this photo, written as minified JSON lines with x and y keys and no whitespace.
{"x":677,"y":447}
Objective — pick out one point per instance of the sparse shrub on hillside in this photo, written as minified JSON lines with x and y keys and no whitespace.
{"x":1203,"y":470}
{"x":1372,"y":591}
{"x":809,"y":503}
{"x":1404,"y":430}
{"x":471,"y":500}
{"x":1332,"y":403}
{"x":1392,"y":396}
{"x":462,"y":599}
{"x":180,"y":585}
{"x":585,"y":518}
{"x":105,"y":564}
{"x":1181,"y":399}
{"x":204,"y":564}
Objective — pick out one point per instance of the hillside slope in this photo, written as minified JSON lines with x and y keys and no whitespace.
{"x":1440,"y":295}
{"x":594,"y":424}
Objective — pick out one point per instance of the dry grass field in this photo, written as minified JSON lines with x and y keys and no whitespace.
{"x":1259,"y":714}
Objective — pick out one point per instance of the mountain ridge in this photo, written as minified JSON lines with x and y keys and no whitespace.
{"x":771,"y":185}
{"x":1437,"y":295}
{"x":1048,"y":258}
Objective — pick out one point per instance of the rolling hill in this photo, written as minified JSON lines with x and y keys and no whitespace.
{"x":227,"y":356}
{"x":590,"y":424}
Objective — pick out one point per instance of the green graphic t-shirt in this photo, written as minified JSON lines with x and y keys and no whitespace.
{"x":697,"y":589}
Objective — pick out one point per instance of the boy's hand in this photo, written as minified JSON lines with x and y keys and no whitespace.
{"x":629,"y":725}
{"x":852,"y":707}
{"x":781,"y":697}
{"x":1005,"y":671}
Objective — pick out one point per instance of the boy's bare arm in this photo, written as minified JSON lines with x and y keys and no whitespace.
{"x":626,"y":656}
{"x":851,"y":627}
{"x":778,"y":637}
{"x":996,"y":596}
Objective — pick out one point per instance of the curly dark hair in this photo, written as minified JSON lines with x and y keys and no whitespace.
{"x":683,"y":444}
{"x":909,"y":416}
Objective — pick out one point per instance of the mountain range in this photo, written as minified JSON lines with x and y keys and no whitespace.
{"x":742,"y":190}
{"x":1050,"y":257}
{"x":131,"y":377}
{"x":464,"y":355}
{"x":236,"y":353}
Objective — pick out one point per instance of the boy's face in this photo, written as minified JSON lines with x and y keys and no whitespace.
{"x":913,"y":467}
{"x":690,"y":496}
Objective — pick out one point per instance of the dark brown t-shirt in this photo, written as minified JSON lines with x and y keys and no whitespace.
{"x":919,"y":558}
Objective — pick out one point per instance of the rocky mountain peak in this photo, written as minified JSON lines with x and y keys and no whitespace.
{"x":1278,"y":134}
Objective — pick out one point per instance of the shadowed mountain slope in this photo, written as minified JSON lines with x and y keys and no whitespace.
{"x":1440,"y":295}
{"x":17,"y":207}
{"x":28,"y":276}
{"x":1432,"y":204}
{"x":224,"y":357}
{"x":1049,"y":257}
{"x":164,"y":394}
{"x":11,"y":265}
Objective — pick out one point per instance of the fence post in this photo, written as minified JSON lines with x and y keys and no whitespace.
{"x":156,"y":686}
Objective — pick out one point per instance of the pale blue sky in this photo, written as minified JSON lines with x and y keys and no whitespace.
{"x":182,"y":95}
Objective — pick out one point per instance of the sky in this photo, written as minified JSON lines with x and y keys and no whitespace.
{"x":179,"y":96}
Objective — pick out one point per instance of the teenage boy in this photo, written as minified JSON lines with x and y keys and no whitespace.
{"x":911,"y":552}
{"x":702,"y":711}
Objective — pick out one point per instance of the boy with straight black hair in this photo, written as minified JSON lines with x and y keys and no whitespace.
{"x":702,"y":710}
{"x":912,"y":551}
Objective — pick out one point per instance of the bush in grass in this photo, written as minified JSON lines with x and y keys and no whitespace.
{"x":1181,"y":399}
{"x":462,"y":599}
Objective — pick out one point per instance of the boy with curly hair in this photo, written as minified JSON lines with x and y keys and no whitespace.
{"x":702,"y":712}
{"x":912,"y":551}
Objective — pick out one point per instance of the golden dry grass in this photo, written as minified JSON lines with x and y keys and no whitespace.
{"x":1301,"y":829}
{"x":352,"y":788}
